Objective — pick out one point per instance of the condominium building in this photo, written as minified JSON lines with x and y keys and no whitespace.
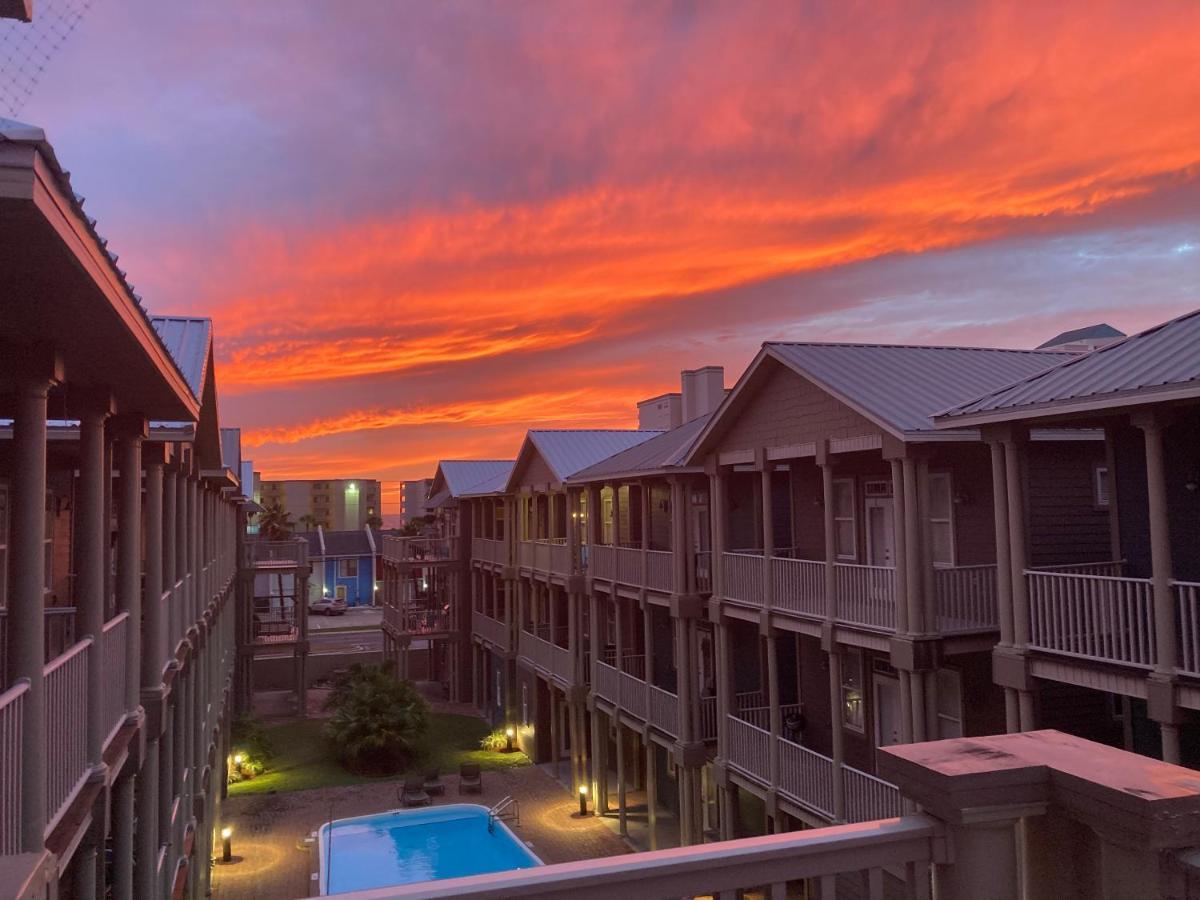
{"x":338,"y":504}
{"x":414,"y":499}
{"x":719,"y":628}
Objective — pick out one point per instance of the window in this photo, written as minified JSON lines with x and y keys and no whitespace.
{"x":941,"y":519}
{"x":852,"y":690}
{"x":499,"y":695}
{"x":844,"y":530}
{"x":949,"y":703}
{"x":1100,"y":487}
{"x":347,"y":568}
{"x":524,"y":706}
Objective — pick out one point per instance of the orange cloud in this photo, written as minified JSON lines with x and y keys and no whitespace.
{"x":585,"y":408}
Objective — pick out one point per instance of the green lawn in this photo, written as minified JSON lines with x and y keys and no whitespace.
{"x":303,"y":758}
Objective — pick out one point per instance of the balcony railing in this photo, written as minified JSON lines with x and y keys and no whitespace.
{"x":545,"y":556}
{"x":488,"y":550}
{"x":743,"y":573}
{"x":806,"y":777}
{"x":59,"y":633}
{"x":799,"y":585}
{"x":547,"y":656}
{"x":116,"y":673}
{"x":1096,"y":617}
{"x":66,"y":688}
{"x":866,"y":595}
{"x":417,"y":620}
{"x":264,"y":554}
{"x":966,"y":599}
{"x":419,"y":549}
{"x":1187,"y":601}
{"x":12,"y":723}
{"x":491,"y":630}
{"x":274,"y":620}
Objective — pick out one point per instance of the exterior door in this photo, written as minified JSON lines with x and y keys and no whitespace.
{"x":887,"y":711}
{"x":881,"y":532}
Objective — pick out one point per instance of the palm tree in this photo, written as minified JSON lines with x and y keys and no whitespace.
{"x":309,"y":521}
{"x":274,"y":523}
{"x":377,"y":721}
{"x":374,"y":523}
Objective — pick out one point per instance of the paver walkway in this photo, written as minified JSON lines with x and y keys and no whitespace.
{"x":269,"y":830}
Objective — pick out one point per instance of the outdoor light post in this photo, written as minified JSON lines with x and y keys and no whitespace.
{"x":583,"y":791}
{"x":509,"y":734}
{"x":226,"y":844}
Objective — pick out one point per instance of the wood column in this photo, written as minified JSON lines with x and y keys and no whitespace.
{"x":1014,"y":452}
{"x":26,"y":599}
{"x":92,"y":542}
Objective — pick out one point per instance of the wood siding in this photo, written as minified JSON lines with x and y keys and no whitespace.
{"x":782,"y":409}
{"x":1065,"y":525}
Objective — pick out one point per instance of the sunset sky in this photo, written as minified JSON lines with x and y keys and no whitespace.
{"x":422,"y":228}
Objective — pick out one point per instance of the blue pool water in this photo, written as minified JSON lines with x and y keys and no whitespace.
{"x":414,"y":845}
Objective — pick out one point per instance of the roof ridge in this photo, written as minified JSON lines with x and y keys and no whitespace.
{"x":1076,"y":359}
{"x":1022,"y":350}
{"x":595,"y":430}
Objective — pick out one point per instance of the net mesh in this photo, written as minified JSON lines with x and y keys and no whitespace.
{"x":26,"y":49}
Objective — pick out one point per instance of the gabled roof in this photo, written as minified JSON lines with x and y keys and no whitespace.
{"x":1087,"y":333}
{"x":189,"y":341}
{"x":1160,"y":363}
{"x":666,"y":451}
{"x":457,"y":477}
{"x":899,"y":387}
{"x":323,"y":543}
{"x":569,"y":451}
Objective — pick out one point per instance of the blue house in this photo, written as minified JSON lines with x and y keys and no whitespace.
{"x":343,"y":565}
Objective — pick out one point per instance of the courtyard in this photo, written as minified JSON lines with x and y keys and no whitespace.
{"x":274,"y":816}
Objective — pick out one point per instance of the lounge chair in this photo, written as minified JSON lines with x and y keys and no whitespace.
{"x":470,"y":779}
{"x":412,"y":792}
{"x":433,"y":783}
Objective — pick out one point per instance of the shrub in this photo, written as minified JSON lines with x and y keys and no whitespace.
{"x":496,"y":742}
{"x":377,"y":721}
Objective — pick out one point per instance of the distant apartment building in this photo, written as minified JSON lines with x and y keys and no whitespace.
{"x":414,"y":497}
{"x":339,"y":504}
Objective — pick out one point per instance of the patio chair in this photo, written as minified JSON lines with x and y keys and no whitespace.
{"x":470,"y":779}
{"x":412,"y":792}
{"x":433,"y":783}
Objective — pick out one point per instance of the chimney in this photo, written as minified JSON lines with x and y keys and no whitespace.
{"x":661,"y":413}
{"x":703,"y":391}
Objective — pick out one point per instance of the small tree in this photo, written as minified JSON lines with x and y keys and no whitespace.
{"x":377,"y":721}
{"x":309,"y":521}
{"x":275,"y":524}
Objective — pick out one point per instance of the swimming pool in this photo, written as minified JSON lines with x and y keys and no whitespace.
{"x":411,"y":845}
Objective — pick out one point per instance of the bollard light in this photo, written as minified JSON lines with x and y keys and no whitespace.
{"x":226,"y":844}
{"x":583,"y":800}
{"x":509,"y":734}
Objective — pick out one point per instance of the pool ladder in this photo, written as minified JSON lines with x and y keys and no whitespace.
{"x":508,"y":808}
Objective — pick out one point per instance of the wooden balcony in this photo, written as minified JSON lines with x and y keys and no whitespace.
{"x":419,"y":550}
{"x":489,"y":551}
{"x":633,"y":567}
{"x":491,"y":630}
{"x":806,"y":777}
{"x":264,"y":554}
{"x":417,"y":620}
{"x":547,"y":656}
{"x":866,"y":595}
{"x":653,"y":705}
{"x":548,"y":556}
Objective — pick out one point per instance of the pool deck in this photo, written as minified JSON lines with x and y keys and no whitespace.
{"x":269,"y":829}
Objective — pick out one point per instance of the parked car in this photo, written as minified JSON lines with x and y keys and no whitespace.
{"x":327,"y":606}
